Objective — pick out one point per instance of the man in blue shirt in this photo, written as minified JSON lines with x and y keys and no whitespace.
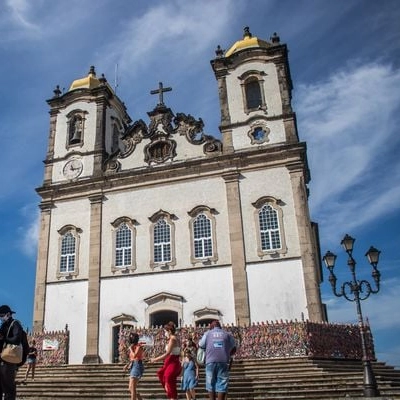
{"x":219,"y":346}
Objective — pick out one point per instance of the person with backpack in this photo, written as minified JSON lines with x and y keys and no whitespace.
{"x":11,"y":332}
{"x":219,"y":346}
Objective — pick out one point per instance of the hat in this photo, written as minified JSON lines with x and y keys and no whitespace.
{"x":6,"y":309}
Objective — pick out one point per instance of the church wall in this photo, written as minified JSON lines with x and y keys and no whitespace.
{"x":271,"y":90}
{"x":241,"y":281}
{"x":66,"y":303}
{"x":136,"y":159}
{"x":74,"y":213}
{"x":60,"y":149}
{"x":276,"y":291}
{"x":257,"y":184}
{"x":89,"y":129}
{"x":276,"y":135}
{"x":209,"y":287}
{"x":187,"y":150}
{"x":142,"y":203}
{"x":184,"y":149}
{"x":111,"y":116}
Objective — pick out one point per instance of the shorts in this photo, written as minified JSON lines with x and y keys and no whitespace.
{"x":217,"y":377}
{"x":137,"y":369}
{"x":31,"y":360}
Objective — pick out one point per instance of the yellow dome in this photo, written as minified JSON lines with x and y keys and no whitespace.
{"x":248,"y":41}
{"x":89,"y":82}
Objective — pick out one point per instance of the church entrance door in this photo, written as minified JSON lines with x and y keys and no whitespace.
{"x":160,"y":318}
{"x":205,"y":322}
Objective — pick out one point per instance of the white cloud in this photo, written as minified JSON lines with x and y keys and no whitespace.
{"x":381,"y":309}
{"x":29,"y":233}
{"x":180,"y":30}
{"x":19,"y":13}
{"x":348,"y":121}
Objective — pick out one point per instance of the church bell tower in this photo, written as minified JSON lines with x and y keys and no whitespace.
{"x":255,"y":93}
{"x":255,"y":90}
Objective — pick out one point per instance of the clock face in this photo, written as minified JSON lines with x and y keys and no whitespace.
{"x":73,"y":168}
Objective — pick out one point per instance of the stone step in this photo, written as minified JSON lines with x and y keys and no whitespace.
{"x":296,"y":378}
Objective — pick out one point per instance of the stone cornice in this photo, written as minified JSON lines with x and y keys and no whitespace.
{"x":276,"y":156}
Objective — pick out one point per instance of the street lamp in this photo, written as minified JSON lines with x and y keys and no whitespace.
{"x":357,"y":290}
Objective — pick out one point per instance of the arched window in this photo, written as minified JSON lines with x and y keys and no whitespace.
{"x":269,"y":228}
{"x":253,"y":94}
{"x":203,"y":237}
{"x":162,"y":233}
{"x":270,"y":232}
{"x":124,"y":244}
{"x":68,"y":251}
{"x":252,"y":84}
{"x":162,"y":241}
{"x":67,"y":260}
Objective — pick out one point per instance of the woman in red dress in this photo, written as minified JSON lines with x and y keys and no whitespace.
{"x":171,"y":369}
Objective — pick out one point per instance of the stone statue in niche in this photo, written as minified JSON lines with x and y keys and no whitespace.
{"x":76,"y":130}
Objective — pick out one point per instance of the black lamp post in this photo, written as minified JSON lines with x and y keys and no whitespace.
{"x":357,"y":290}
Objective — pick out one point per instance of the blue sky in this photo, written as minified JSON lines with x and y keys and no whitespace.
{"x":345,"y":66}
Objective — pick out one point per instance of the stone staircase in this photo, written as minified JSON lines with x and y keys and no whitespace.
{"x":289,"y":378}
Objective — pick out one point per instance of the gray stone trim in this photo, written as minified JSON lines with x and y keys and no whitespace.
{"x":239,"y":276}
{"x":93,"y":299}
{"x":42,"y":266}
{"x":307,"y":244}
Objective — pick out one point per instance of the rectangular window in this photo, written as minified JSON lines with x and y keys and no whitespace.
{"x":123,"y":246}
{"x":202,"y":237}
{"x":67,"y":261}
{"x":162,"y":242}
{"x":269,"y":229}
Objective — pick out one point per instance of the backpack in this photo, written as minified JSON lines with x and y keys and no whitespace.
{"x":25,"y":345}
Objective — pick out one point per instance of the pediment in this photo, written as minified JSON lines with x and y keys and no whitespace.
{"x":123,"y":318}
{"x":164,"y":297}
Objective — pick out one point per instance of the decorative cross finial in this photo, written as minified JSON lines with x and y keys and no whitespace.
{"x":161,"y":89}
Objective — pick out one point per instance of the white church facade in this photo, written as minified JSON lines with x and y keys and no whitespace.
{"x":146,"y":222}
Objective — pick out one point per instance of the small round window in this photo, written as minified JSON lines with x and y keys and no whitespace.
{"x":258,"y":135}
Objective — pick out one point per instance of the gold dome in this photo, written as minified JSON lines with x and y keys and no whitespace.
{"x":89,"y":82}
{"x":248,"y":41}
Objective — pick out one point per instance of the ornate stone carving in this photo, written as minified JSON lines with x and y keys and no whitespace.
{"x":259,"y":132}
{"x":133,"y":135}
{"x":163,"y":125}
{"x":162,"y":147}
{"x":112,"y":166}
{"x":192,"y":129}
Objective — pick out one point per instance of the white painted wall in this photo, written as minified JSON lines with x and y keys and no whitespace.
{"x":276,"y":291}
{"x":253,"y":186}
{"x":140,"y":204}
{"x":241,"y":139}
{"x":77,"y":213}
{"x":208,"y":287}
{"x":66,"y":303}
{"x":271,"y":90}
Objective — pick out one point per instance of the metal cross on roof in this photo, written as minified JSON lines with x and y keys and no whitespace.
{"x":160,"y":92}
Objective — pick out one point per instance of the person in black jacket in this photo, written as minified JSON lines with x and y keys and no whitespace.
{"x":10,"y":332}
